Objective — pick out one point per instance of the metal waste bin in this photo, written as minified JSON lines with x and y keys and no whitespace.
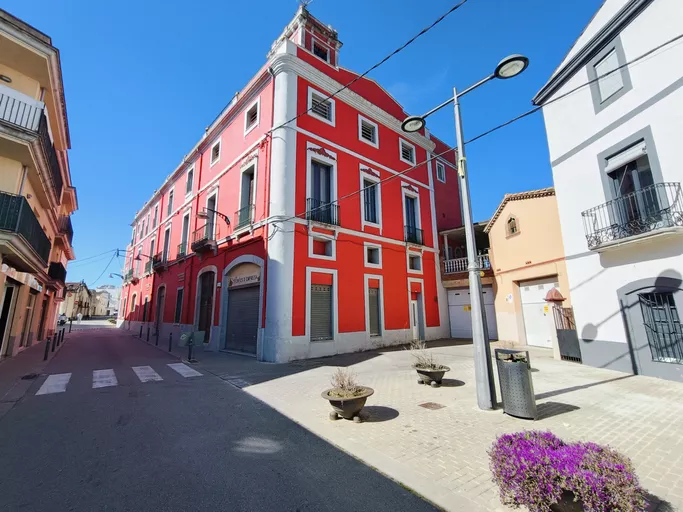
{"x":516,"y":386}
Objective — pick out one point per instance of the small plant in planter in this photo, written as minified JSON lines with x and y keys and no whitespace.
{"x":429,"y":370}
{"x":540,"y":471}
{"x":346,"y":396}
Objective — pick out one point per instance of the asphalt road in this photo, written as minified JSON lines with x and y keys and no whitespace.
{"x":176,"y":444}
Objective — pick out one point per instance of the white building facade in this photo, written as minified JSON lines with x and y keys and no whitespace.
{"x":614,"y":120}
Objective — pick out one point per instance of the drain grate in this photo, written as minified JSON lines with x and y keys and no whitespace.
{"x":432,"y":406}
{"x":30,"y":376}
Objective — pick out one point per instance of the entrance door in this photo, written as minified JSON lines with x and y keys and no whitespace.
{"x":414,"y":320}
{"x":159,"y":316}
{"x":6,"y":315}
{"x":535,"y":310}
{"x":243,"y":319}
{"x":206,"y":303}
{"x":28,"y":320}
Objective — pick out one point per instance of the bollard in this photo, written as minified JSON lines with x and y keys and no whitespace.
{"x":71,"y":321}
{"x":47,"y":348}
{"x":54,"y":340}
{"x":190,"y":344}
{"x":63,"y":333}
{"x":147,"y":333}
{"x":57,"y":338}
{"x":157,"y":338}
{"x":140,"y":331}
{"x":170,"y":341}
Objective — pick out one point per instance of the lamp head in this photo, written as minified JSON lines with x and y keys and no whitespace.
{"x":511,"y":66}
{"x":203,"y":214}
{"x":413,"y":124}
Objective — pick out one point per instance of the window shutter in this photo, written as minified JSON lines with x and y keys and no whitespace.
{"x":321,"y":312}
{"x":626,"y":156}
{"x":613,"y":82}
{"x":373,"y":299}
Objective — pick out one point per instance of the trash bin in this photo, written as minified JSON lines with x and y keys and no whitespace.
{"x":516,"y":386}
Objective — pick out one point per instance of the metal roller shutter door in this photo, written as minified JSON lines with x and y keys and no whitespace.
{"x":243,"y":320}
{"x":373,"y":299}
{"x":321,"y":312}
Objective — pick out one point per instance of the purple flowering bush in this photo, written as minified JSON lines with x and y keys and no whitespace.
{"x":537,"y":469}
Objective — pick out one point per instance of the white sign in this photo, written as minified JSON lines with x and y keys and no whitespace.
{"x":237,"y":281}
{"x":508,"y":298}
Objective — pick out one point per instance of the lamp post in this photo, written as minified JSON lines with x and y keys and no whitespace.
{"x":115,"y":274}
{"x":486,"y":394}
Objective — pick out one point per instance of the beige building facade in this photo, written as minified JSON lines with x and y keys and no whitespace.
{"x":78,"y":299}
{"x":527,"y":258}
{"x":36,"y":193}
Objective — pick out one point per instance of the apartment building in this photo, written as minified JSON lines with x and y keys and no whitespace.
{"x":78,"y":299}
{"x":36,"y":193}
{"x":613,"y":112}
{"x":288,"y":231}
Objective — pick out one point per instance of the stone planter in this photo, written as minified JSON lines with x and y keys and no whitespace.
{"x":432,"y":377}
{"x":347,"y":408}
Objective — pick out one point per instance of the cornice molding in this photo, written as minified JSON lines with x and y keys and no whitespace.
{"x":284,"y":63}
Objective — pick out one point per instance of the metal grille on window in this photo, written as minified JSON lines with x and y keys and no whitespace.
{"x":367,"y":131}
{"x":407,"y":152}
{"x":662,"y":326}
{"x":373,"y":300}
{"x":321,"y":312}
{"x":321,"y":107}
{"x":252,"y":116}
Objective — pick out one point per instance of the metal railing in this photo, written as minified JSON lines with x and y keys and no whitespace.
{"x":460,"y":264}
{"x":57,"y":271}
{"x":649,"y":209}
{"x":413,"y":235}
{"x":128,"y":276}
{"x":158,"y":260}
{"x":243,"y":216}
{"x":182,"y":249}
{"x":322,"y":211}
{"x":51,"y":154}
{"x":16,"y":216}
{"x":148,"y":266}
{"x":66,"y":228}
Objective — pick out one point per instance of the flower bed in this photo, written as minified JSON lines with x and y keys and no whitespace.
{"x":537,"y":469}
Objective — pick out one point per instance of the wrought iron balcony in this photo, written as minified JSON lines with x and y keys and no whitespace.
{"x":413,"y":235}
{"x":128,"y":276}
{"x":243,"y":216}
{"x":204,"y":238}
{"x":17,"y":217}
{"x":158,"y":261}
{"x":457,"y":265}
{"x":65,"y":228}
{"x":148,"y":267}
{"x":182,"y":250}
{"x":646,"y":211}
{"x":322,"y":211}
{"x":21,"y":111}
{"x":57,"y":272}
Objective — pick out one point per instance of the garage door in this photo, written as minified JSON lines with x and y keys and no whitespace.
{"x":243,"y":319}
{"x":535,"y":310}
{"x":459,"y":312}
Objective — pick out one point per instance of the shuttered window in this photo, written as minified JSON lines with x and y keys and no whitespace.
{"x":321,"y":312}
{"x":321,"y":107}
{"x":407,"y":152}
{"x":368,"y":131}
{"x":373,"y":305}
{"x":610,"y":80}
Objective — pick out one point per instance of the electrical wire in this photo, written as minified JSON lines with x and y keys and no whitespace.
{"x":79,"y":260}
{"x":105,"y":269}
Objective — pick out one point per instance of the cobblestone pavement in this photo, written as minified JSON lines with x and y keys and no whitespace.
{"x":441,"y":452}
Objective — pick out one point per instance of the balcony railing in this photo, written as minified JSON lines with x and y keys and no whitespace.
{"x":182,"y":249}
{"x":413,"y":235}
{"x":24,"y":112}
{"x":243,"y":216}
{"x":158,"y":260}
{"x":322,"y":211}
{"x":16,"y":216}
{"x":460,"y":264}
{"x":57,"y":271}
{"x":66,"y":228}
{"x":205,"y":237}
{"x":650,"y":209}
{"x":148,"y":267}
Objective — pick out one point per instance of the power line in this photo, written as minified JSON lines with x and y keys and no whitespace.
{"x":105,"y":269}
{"x":79,"y":260}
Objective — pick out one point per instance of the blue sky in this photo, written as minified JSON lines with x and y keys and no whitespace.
{"x":143,"y":79}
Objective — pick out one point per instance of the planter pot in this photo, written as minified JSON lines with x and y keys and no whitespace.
{"x":348,"y":408}
{"x":567,"y":504}
{"x":433,"y":377}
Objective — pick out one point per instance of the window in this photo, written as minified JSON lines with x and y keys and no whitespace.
{"x":373,"y":310}
{"x":407,"y":152}
{"x":321,"y":312}
{"x":251,"y":117}
{"x":367,"y":131}
{"x":142,"y":231}
{"x":322,"y":247}
{"x":413,"y":234}
{"x":662,"y":326}
{"x":155,"y":219}
{"x":178,"y":306}
{"x":167,"y":244}
{"x":415,"y":262}
{"x":211,"y":216}
{"x":441,"y":172}
{"x":320,"y":207}
{"x":185,"y":233}
{"x":169,"y":209}
{"x":511,"y":226}
{"x":244,"y":215}
{"x":132,"y":240}
{"x":152,"y":246}
{"x":188,"y":182}
{"x":321,"y":107}
{"x":320,"y":51}
{"x":138,"y":260}
{"x":370,"y":192}
{"x":148,"y":224}
{"x":132,"y":302}
{"x":373,"y":255}
{"x":215,"y":152}
{"x":609,"y":76}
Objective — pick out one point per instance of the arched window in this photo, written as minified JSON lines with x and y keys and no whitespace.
{"x":512,"y":226}
{"x":132,"y":302}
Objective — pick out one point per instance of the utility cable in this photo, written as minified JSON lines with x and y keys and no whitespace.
{"x":105,"y":269}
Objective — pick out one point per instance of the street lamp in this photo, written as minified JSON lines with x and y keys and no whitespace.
{"x":509,"y":67}
{"x":115,"y":274}
{"x":205,"y":215}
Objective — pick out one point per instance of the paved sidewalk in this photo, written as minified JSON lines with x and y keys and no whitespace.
{"x":441,"y":452}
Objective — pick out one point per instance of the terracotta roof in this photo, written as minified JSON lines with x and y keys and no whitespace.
{"x":541,"y":192}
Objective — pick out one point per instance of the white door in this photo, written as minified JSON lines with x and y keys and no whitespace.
{"x":536,"y":310}
{"x":413,"y":320}
{"x":459,"y":312}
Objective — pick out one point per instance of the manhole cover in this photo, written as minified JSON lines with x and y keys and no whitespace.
{"x":30,"y":376}
{"x":432,"y":406}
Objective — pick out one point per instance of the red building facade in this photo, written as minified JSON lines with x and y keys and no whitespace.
{"x":291,"y":230}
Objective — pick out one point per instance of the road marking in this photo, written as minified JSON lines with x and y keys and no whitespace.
{"x":54,"y":384}
{"x":146,"y":373}
{"x":103,"y":379}
{"x":184,"y":370}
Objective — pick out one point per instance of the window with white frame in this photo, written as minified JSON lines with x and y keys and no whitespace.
{"x":189,"y":181}
{"x":373,"y":255}
{"x":415,"y":262}
{"x":215,"y":152}
{"x":156,"y":216}
{"x":441,"y":172}
{"x":374,"y":314}
{"x":251,"y":118}
{"x":321,"y":107}
{"x":167,"y":244}
{"x":320,"y":51}
{"x":370,"y":201}
{"x":169,"y":208}
{"x":367,"y":131}
{"x":185,"y":234}
{"x":407,"y":152}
